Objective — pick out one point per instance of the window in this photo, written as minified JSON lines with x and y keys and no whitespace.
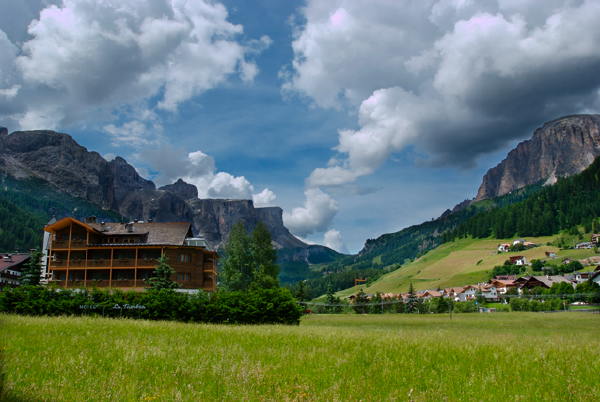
{"x":184,"y":258}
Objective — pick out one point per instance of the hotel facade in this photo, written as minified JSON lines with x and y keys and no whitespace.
{"x":124,"y":255}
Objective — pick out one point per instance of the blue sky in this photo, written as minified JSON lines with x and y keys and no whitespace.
{"x":356,"y":117}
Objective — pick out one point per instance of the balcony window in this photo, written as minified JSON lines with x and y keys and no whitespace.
{"x":184,"y":258}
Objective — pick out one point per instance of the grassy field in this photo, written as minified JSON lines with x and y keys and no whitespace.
{"x":457,"y":263}
{"x":510,"y":356}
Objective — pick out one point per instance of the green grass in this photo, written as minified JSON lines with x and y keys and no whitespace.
{"x":461,"y":262}
{"x":509,"y":356}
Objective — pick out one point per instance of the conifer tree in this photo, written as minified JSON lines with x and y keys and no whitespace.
{"x":411,"y":305}
{"x":161,"y":277}
{"x":33,"y":270}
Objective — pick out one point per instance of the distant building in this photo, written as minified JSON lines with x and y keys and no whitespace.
{"x":117,"y":255}
{"x":517,"y":260}
{"x":551,"y":254}
{"x":595,"y":239}
{"x":504,"y":247}
{"x":544,"y":281}
{"x":11,"y":269}
{"x":584,"y":245}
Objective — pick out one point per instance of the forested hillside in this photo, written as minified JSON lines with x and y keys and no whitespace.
{"x":390,"y":251}
{"x":570,"y":202}
{"x":27,"y":205}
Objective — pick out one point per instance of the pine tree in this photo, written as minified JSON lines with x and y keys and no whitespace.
{"x":33,"y":270}
{"x":411,"y":305}
{"x":161,"y":277}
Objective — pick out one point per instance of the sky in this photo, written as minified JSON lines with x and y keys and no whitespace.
{"x":357,"y":117}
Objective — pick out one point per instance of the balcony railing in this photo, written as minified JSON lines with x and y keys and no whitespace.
{"x":65,"y":243}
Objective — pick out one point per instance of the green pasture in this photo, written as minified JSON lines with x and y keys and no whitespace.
{"x":460,"y":262}
{"x":483,"y":357}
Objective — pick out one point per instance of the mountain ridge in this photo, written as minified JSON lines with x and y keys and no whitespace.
{"x":59,"y":160}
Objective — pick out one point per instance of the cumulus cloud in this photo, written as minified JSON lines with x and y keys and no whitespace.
{"x":333,"y":239}
{"x":199,"y":169}
{"x":459,"y":79}
{"x":264,"y":199}
{"x":315,"y":216}
{"x":88,"y":58}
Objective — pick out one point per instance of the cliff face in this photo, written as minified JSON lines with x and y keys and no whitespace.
{"x":559,"y":148}
{"x":57,"y":159}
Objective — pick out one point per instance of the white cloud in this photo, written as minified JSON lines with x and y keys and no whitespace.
{"x":460,"y":79}
{"x":333,"y":239}
{"x":199,"y":169}
{"x":315,"y":216}
{"x":85,"y":59}
{"x":264,"y":199}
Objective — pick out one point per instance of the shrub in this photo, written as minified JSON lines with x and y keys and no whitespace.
{"x":254,"y":307}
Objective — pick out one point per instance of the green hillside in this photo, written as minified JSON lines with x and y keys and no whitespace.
{"x":27,"y":205}
{"x":464,"y":261}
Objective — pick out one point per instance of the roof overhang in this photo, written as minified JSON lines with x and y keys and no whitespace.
{"x":65,"y":222}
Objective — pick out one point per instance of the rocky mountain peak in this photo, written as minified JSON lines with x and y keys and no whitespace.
{"x":560,"y":148}
{"x":60,"y":161}
{"x":181,"y":188}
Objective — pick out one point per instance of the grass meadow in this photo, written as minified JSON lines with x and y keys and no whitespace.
{"x":458,"y":263}
{"x":504,"y":356}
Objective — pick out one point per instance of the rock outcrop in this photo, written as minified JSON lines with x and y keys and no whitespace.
{"x":182,"y":189}
{"x":59,"y":160}
{"x":559,"y":148}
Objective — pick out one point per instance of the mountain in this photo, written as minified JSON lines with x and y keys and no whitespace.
{"x":559,"y":148}
{"x":62,"y":165}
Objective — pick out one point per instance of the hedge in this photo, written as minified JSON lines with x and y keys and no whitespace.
{"x":265,"y":306}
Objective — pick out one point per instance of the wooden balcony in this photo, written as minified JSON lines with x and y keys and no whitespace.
{"x":99,"y":262}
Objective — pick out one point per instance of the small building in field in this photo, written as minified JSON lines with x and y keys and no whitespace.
{"x":11,"y":268}
{"x":517,"y":260}
{"x":584,"y":245}
{"x":551,"y":254}
{"x":595,"y":239}
{"x":504,"y":247}
{"x":124,"y":255}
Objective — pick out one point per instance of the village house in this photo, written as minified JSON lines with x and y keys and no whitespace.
{"x":503,"y":285}
{"x":596,"y":276}
{"x":468,"y":293}
{"x":11,"y":269}
{"x":489,"y":292}
{"x":452,"y":293}
{"x":584,"y":245}
{"x":544,"y":281}
{"x":504,"y":248}
{"x":579,"y":277}
{"x":117,"y":255}
{"x":551,"y":254}
{"x":595,"y":239}
{"x":429,"y":294}
{"x":517,"y":260}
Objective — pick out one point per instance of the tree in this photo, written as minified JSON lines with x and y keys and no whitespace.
{"x":360,"y":302}
{"x":411,"y":305}
{"x":33,"y":269}
{"x":161,"y":277}
{"x":300,"y":291}
{"x":263,"y":258}
{"x":537,"y":265}
{"x":237,"y":264}
{"x":250,"y":261}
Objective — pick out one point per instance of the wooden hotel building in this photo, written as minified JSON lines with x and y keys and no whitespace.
{"x":117,"y":255}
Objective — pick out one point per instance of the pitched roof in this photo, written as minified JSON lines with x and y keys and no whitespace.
{"x":551,"y":279}
{"x":15,"y":259}
{"x":164,"y":233}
